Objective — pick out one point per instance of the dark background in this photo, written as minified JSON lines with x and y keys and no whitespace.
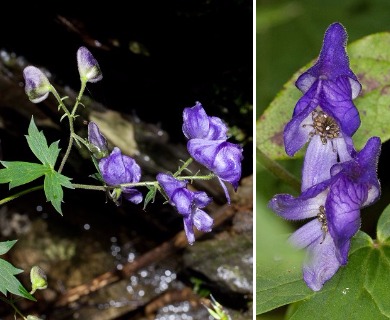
{"x":197,"y":51}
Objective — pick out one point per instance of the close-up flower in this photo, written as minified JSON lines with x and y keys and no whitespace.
{"x":335,"y":203}
{"x":326,"y":108}
{"x":119,"y":169}
{"x":37,"y":85}
{"x":188,"y":203}
{"x":88,"y":66}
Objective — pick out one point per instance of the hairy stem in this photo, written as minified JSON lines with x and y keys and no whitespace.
{"x":183,"y":167}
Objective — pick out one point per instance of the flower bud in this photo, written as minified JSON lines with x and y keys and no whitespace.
{"x":38,"y":279}
{"x":88,"y":66}
{"x":97,"y":142}
{"x":37,"y":86}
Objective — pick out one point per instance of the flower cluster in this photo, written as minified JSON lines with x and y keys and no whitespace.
{"x":337,"y":180}
{"x":121,"y":175}
{"x":207,"y":144}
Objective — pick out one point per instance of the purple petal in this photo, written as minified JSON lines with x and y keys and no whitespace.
{"x":189,"y":229}
{"x":197,"y":125}
{"x":195,"y":122}
{"x":332,"y":62}
{"x":305,"y":206}
{"x":221,"y":157}
{"x":202,"y":221}
{"x":132,"y":195}
{"x":201,"y":199}
{"x":337,"y":102}
{"x":343,"y":213}
{"x":296,"y":132}
{"x":368,"y":159}
{"x":307,"y":234}
{"x":321,"y":264}
{"x":118,"y":169}
{"x":182,"y":199}
{"x":319,"y":159}
{"x":169,"y":183}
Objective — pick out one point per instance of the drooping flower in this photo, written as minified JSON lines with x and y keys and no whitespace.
{"x":119,"y":169}
{"x":97,"y":142}
{"x":188,"y":204}
{"x":88,"y":66}
{"x":198,"y":125}
{"x":37,"y":85}
{"x":208,"y":146}
{"x":326,"y":108}
{"x":220,"y":157}
{"x":335,"y":203}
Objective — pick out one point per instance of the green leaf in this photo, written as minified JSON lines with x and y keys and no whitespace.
{"x":370,"y":61}
{"x":18,"y":173}
{"x":5,"y":246}
{"x":360,"y":288}
{"x":38,"y":145}
{"x":8,"y":281}
{"x":150,"y":196}
{"x":279,"y":280}
{"x":53,"y":184}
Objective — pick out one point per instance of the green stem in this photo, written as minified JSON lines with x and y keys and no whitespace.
{"x":78,"y":100}
{"x":17,"y":195}
{"x":184,"y":166}
{"x":70,"y":117}
{"x":278,"y":170}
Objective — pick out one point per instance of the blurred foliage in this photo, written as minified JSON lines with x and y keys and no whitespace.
{"x":289,"y":35}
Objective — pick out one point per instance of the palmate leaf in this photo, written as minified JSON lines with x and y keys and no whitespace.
{"x":38,"y":145}
{"x":359,"y":290}
{"x":8,"y":281}
{"x":18,"y":173}
{"x":370,"y":61}
{"x":53,"y":184}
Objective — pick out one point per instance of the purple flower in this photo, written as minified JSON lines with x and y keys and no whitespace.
{"x":198,"y":125}
{"x":208,"y":146}
{"x":119,"y":169}
{"x":37,"y":85}
{"x":220,"y":157}
{"x":336,"y":204}
{"x":326,"y":108}
{"x":88,"y":66}
{"x":97,"y":142}
{"x":188,"y":204}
